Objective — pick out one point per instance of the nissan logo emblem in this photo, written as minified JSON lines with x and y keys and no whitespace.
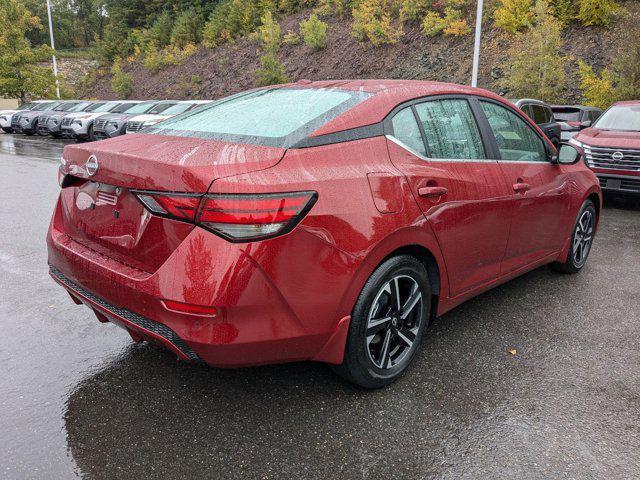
{"x":91,"y":167}
{"x":617,"y":156}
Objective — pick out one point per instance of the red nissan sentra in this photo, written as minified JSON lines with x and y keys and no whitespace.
{"x":327,"y":221}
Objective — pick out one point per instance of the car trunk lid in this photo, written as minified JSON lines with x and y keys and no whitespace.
{"x":101,"y":212}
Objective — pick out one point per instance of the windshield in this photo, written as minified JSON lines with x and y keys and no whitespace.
{"x":567,"y":114}
{"x":139,"y":108}
{"x":47,"y":106}
{"x":95,"y":107}
{"x":160,"y":108}
{"x":277,"y":117}
{"x":27,"y":106}
{"x":79,"y":107}
{"x":65,"y":107}
{"x":122,"y":107}
{"x":620,"y":117}
{"x":178,"y":108}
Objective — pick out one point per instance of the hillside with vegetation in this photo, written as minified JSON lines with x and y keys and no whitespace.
{"x":558,"y":50}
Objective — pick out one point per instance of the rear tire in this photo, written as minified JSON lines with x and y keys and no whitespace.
{"x":387,"y":323}
{"x":581,"y":240}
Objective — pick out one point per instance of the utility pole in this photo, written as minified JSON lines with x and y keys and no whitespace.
{"x":53,"y":47}
{"x":476,"y":46}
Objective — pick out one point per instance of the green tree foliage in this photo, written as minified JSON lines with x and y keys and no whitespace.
{"x":564,"y":10}
{"x":20,"y":75}
{"x":597,"y":12}
{"x":159,"y":34}
{"x":534,"y":68}
{"x":451,"y":24}
{"x":187,"y":29}
{"x":234,"y":18}
{"x":333,"y":7}
{"x":271,"y":69}
{"x":314,"y":32}
{"x":373,"y":21}
{"x":121,"y":82}
{"x":514,"y":15}
{"x":598,"y":90}
{"x":627,"y":69}
{"x":411,"y":10}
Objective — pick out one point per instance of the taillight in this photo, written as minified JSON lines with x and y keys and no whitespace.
{"x":178,"y":206}
{"x":235,"y":217}
{"x":242,"y":217}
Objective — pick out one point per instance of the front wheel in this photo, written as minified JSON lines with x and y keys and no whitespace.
{"x":387,"y":323}
{"x":581,"y":240}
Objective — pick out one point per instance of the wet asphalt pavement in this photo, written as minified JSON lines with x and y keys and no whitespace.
{"x":79,"y":399}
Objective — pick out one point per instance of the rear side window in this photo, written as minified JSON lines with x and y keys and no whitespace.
{"x":539,"y":114}
{"x":406,"y":130}
{"x":451,"y":129}
{"x":567,"y":114}
{"x":277,"y":117}
{"x":516,"y":139}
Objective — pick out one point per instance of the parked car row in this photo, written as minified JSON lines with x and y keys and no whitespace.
{"x":558,"y":122}
{"x":91,"y":120}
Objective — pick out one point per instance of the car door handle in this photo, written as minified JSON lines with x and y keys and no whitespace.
{"x":431,"y":192}
{"x":521,"y":187}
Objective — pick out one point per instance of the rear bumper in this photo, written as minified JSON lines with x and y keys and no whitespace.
{"x":131,"y":321}
{"x":263,"y":316}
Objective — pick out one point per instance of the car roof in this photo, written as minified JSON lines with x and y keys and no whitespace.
{"x":522,"y":101}
{"x":579,"y":107}
{"x":632,"y":103}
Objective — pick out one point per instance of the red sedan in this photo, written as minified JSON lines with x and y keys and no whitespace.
{"x":327,"y":221}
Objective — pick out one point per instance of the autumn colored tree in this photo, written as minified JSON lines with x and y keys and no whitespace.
{"x":20,"y":74}
{"x":534,"y":68}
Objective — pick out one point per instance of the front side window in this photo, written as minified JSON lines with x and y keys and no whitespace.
{"x":516,"y":139}
{"x":620,"y":117}
{"x":277,"y":117}
{"x":451,"y":129}
{"x":539,"y":115}
{"x":407,"y":132}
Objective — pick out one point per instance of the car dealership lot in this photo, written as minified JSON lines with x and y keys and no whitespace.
{"x":80,"y":398}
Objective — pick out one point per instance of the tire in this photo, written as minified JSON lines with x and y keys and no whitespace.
{"x":366,"y":362}
{"x":581,"y":240}
{"x":7,"y":130}
{"x":90,"y":137}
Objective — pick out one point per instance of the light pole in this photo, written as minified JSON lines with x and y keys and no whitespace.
{"x":476,"y":46}
{"x":53,"y":47}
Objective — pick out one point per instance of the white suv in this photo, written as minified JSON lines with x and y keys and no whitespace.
{"x":79,"y":125}
{"x":139,"y":122}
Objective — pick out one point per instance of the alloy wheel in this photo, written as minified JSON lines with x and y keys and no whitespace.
{"x":393,"y":322}
{"x":583,"y":237}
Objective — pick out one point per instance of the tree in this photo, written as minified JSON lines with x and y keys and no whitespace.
{"x":534,"y":68}
{"x":314,"y":32}
{"x":597,"y":12}
{"x":597,"y":90}
{"x":514,"y":15}
{"x":373,"y":21}
{"x":271,"y":69}
{"x":20,"y":76}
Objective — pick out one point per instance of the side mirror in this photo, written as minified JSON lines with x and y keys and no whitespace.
{"x":568,"y":154}
{"x":585,"y":124}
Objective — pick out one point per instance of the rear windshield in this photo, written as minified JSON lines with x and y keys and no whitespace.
{"x":620,"y":117}
{"x":275,"y":117}
{"x":567,"y":114}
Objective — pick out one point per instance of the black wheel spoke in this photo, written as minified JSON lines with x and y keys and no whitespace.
{"x":411,"y":303}
{"x":407,"y":336}
{"x":377,"y":325}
